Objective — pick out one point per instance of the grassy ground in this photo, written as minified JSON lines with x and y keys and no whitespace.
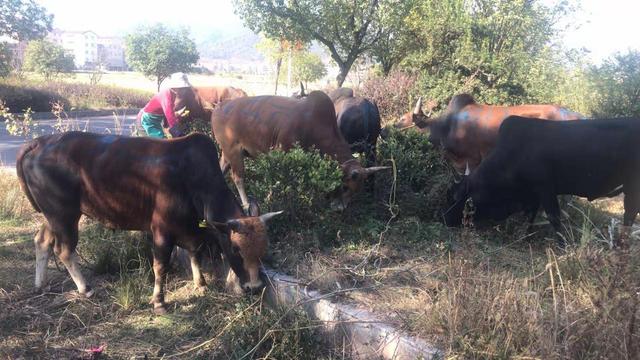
{"x":59,"y":324}
{"x":501,"y":292}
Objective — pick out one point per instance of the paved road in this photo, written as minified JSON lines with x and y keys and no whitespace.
{"x":9,"y":144}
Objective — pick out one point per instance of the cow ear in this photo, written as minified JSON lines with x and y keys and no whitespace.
{"x":254,"y":208}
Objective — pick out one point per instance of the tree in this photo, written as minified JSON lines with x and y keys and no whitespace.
{"x":493,"y":49}
{"x":46,"y":58}
{"x":24,"y":20}
{"x":346,"y":28}
{"x":276,"y":50}
{"x":395,"y":40}
{"x":158,"y":51}
{"x":308,"y":67}
{"x":617,"y":85}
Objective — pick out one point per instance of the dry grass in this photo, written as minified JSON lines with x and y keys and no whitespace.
{"x":491,"y":293}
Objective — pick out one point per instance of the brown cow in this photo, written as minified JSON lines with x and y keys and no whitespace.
{"x":163,"y":186}
{"x":253,"y":125}
{"x":468,"y":131}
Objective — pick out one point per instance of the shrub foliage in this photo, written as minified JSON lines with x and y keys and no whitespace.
{"x":296,"y":181}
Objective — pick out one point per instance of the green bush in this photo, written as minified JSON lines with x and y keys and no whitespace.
{"x":422,"y":174}
{"x":295,"y":181}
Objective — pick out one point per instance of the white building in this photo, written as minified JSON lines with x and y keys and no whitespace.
{"x":90,"y":50}
{"x":111,"y":53}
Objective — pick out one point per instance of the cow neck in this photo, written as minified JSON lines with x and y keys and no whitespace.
{"x":223,"y":207}
{"x":338,"y":149}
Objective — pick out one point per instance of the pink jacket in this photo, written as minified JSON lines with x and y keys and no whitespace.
{"x":162,"y":104}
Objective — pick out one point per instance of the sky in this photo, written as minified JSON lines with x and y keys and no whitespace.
{"x":605,"y":26}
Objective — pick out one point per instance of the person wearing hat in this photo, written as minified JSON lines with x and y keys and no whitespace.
{"x":161,"y":109}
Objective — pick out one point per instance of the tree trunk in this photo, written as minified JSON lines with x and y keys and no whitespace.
{"x":278,"y":65}
{"x":159,"y":81}
{"x":386,"y":67}
{"x":289,"y":72}
{"x":344,"y":71}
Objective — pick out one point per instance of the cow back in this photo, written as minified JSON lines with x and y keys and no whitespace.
{"x":261,"y":123}
{"x":125,"y":182}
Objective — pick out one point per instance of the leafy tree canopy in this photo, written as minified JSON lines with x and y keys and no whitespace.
{"x":158,"y":51}
{"x":493,"y":49}
{"x":46,"y":58}
{"x":617,"y":85}
{"x":347,"y":29}
{"x":24,"y":19}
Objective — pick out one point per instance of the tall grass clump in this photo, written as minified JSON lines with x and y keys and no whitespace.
{"x":21,"y":94}
{"x":113,"y":251}
{"x":13,"y":204}
{"x":422,"y":174}
{"x":582,"y":304}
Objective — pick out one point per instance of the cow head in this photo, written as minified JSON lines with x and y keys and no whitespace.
{"x":417,"y":117}
{"x":490,"y":200}
{"x":353,"y":178}
{"x":244,"y":246}
{"x":187,"y":99}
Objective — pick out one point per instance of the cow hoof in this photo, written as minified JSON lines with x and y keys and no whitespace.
{"x":159,"y":309}
{"x":88,"y":292}
{"x":43,"y":289}
{"x":201,"y":290}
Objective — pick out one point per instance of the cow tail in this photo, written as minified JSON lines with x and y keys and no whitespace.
{"x":24,"y":151}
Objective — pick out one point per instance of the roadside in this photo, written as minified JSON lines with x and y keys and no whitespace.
{"x":121,"y":122}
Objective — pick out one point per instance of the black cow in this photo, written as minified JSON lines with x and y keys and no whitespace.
{"x":358,"y":120}
{"x":163,"y":186}
{"x":536,"y":160}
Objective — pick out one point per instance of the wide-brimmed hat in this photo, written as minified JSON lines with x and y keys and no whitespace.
{"x":174,"y":81}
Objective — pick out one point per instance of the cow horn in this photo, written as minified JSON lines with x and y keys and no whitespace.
{"x":370,"y":170}
{"x":418,"y":109}
{"x":266,"y":217}
{"x":467,"y":171}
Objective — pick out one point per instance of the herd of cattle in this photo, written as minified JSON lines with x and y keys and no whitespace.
{"x":513,"y":159}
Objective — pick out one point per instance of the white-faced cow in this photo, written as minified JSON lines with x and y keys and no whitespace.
{"x":535,"y":160}
{"x":163,"y":186}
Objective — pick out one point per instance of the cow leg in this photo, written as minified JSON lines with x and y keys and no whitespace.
{"x":66,"y":240}
{"x":44,"y":241}
{"x":552,"y":210}
{"x":198,"y":278}
{"x":224,"y":164}
{"x":237,"y":174}
{"x":162,"y":247}
{"x":232,"y":282}
{"x":631,"y":209}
